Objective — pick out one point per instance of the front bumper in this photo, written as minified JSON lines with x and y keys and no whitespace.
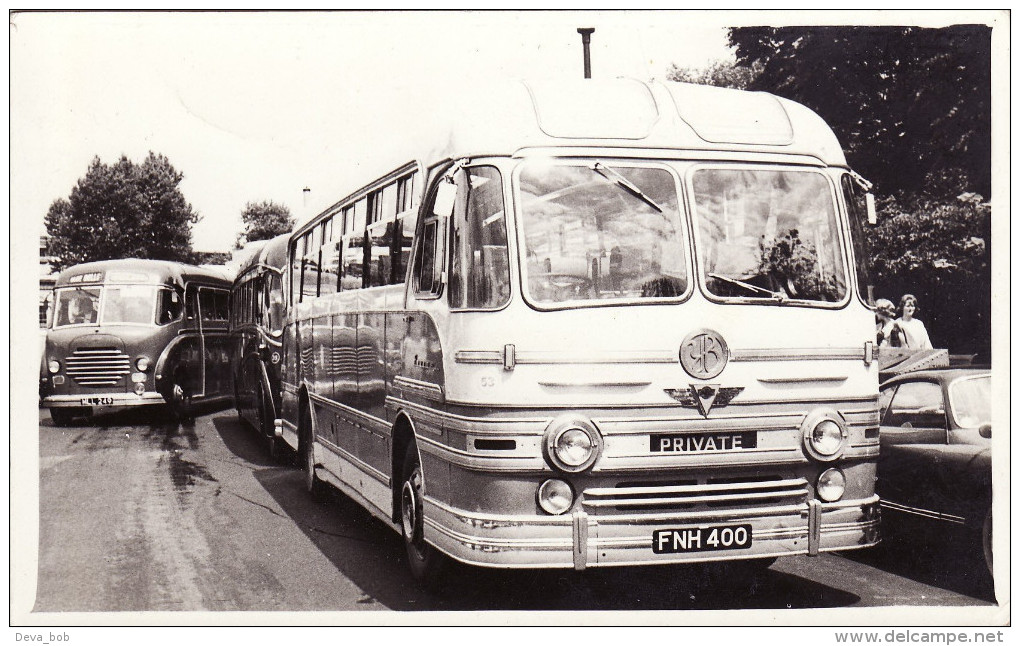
{"x":580,"y":540}
{"x":102,"y":400}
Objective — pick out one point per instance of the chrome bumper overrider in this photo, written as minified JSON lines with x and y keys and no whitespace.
{"x":581,"y":540}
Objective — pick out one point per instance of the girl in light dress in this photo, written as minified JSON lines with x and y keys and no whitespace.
{"x":914,"y":332}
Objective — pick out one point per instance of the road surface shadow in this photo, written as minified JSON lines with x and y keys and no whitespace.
{"x":947,"y":561}
{"x":156,"y":414}
{"x":244,"y":442}
{"x":371,"y":555}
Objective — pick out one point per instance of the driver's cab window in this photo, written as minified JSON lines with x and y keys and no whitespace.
{"x":917,"y":413}
{"x":191,"y":304}
{"x":428,"y":265}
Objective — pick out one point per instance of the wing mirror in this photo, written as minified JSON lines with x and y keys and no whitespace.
{"x":985,"y":431}
{"x":869,"y":201}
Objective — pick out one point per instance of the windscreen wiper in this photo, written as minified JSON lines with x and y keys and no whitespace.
{"x":624,"y":183}
{"x":779,"y":296}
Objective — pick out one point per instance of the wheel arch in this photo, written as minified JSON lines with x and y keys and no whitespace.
{"x":403,"y":436}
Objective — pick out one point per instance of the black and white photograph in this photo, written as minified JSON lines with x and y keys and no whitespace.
{"x":685,"y":318}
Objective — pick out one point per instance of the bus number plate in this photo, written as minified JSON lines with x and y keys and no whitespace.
{"x":97,"y":401}
{"x":701,"y":539}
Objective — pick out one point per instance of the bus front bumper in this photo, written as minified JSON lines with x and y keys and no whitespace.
{"x":102,"y":400}
{"x":580,"y":540}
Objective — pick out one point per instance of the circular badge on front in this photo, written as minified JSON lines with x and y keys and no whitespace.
{"x":704,"y":354}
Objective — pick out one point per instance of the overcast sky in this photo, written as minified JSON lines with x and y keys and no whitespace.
{"x":254,"y":106}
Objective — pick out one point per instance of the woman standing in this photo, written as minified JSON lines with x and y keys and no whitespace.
{"x":914,"y":332}
{"x":887,"y":330}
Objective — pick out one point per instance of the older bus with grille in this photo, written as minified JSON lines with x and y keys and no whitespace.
{"x":598,"y":323}
{"x":135,"y":332}
{"x":256,"y":331}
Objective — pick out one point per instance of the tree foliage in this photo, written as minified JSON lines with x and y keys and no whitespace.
{"x":940,"y":251}
{"x":263,"y":221}
{"x":719,"y":74}
{"x":906,"y":103}
{"x":123,"y":210}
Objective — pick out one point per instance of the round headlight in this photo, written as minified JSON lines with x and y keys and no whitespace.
{"x":831,"y":485}
{"x":573,"y":447}
{"x":142,"y":363}
{"x":54,"y":366}
{"x":825,"y":436}
{"x":572,"y":444}
{"x":555,"y":496}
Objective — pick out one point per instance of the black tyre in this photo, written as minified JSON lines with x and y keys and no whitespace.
{"x":426,"y":562}
{"x":180,"y":403}
{"x":264,"y":423}
{"x":61,"y":416}
{"x":313,"y":485}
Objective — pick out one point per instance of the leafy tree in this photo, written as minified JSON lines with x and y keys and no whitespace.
{"x":263,"y":221}
{"x":938,"y":250}
{"x":906,"y":103}
{"x":123,"y":210}
{"x":719,"y":74}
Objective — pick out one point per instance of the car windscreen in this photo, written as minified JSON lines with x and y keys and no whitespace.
{"x":971,"y":401}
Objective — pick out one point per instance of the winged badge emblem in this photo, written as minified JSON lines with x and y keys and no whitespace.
{"x":704,"y":397}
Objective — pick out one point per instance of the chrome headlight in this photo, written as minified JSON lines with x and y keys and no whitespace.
{"x":54,"y":366}
{"x":142,"y":363}
{"x":555,"y":496}
{"x":572,"y":444}
{"x":831,"y":485}
{"x":825,"y":435}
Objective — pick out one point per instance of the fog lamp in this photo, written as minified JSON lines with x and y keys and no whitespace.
{"x":54,"y":366}
{"x":139,"y":388}
{"x":142,"y":363}
{"x":555,"y":496}
{"x":831,"y":485}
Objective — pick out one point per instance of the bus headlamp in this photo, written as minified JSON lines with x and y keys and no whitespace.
{"x":825,"y":435}
{"x":142,"y":363}
{"x":572,"y":444}
{"x":831,"y":485}
{"x":54,"y":366}
{"x":555,"y":496}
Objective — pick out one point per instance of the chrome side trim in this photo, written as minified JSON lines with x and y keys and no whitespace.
{"x":557,"y":358}
{"x":924,"y":513}
{"x":479,"y":462}
{"x":750,"y":354}
{"x":804,"y":354}
{"x":423,"y":388}
{"x":594,"y":384}
{"x":803,"y":380}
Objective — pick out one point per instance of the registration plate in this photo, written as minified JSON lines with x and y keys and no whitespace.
{"x":702,"y":442}
{"x":701,"y":539}
{"x":97,"y":401}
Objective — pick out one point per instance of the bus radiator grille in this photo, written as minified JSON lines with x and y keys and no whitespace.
{"x":691,"y":495}
{"x":98,"y":366}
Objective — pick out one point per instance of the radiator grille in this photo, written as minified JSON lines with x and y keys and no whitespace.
{"x":741,"y":493}
{"x":98,"y":366}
